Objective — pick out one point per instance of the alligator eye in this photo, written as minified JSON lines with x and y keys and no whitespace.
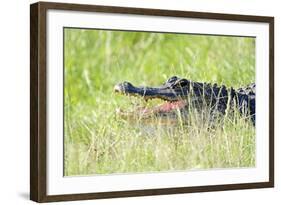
{"x":181,"y":83}
{"x":172,"y":79}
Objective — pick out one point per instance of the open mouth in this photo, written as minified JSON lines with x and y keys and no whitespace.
{"x":173,"y":93}
{"x":163,"y":110}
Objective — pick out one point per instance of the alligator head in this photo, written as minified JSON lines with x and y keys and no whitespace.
{"x":174,"y":91}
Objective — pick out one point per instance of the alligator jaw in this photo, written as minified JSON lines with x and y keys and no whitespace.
{"x":164,"y":110}
{"x":173,"y":91}
{"x":147,"y":93}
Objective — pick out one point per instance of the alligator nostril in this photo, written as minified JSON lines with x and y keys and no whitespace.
{"x":127,"y":84}
{"x":117,"y":88}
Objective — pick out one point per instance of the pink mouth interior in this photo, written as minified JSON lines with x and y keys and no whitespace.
{"x":166,"y":107}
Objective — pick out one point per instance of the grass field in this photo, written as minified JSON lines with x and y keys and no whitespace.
{"x":98,"y":141}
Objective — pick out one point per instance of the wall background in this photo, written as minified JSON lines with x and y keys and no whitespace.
{"x":14,"y":101}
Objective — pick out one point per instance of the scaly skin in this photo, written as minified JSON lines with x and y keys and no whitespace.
{"x":180,"y":92}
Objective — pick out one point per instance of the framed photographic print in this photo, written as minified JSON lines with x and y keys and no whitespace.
{"x":134,"y":102}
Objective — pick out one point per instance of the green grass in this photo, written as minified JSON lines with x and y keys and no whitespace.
{"x":98,"y":141}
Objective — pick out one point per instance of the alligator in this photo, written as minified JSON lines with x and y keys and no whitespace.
{"x":179,"y":93}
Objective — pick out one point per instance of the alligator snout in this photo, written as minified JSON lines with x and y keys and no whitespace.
{"x":124,"y":87}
